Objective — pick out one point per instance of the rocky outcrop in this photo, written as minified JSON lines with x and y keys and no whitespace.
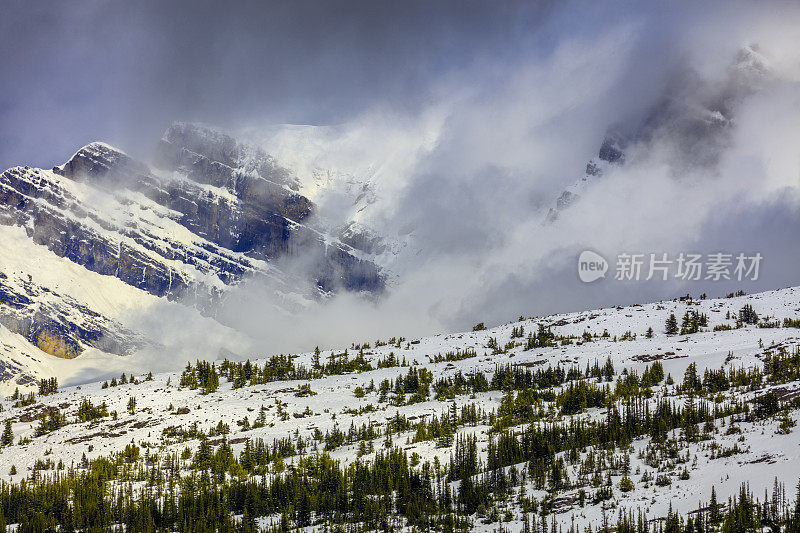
{"x":610,"y":154}
{"x":610,"y":151}
{"x":362,"y":238}
{"x":55,"y":218}
{"x":57,"y":324}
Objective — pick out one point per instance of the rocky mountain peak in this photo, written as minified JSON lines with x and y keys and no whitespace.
{"x":99,"y":161}
{"x":210,"y":156}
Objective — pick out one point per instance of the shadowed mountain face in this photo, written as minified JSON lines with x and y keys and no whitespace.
{"x":211,"y":214}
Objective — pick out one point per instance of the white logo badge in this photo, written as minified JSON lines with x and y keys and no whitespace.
{"x":591,"y":266}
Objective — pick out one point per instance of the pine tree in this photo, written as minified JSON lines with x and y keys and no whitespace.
{"x":691,"y":381}
{"x":671,"y":326}
{"x":315,"y":360}
{"x":8,"y":435}
{"x":713,"y":507}
{"x":748,"y":315}
{"x":686,"y":323}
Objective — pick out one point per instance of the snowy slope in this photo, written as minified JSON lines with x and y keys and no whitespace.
{"x":81,"y":300}
{"x":765,"y":455}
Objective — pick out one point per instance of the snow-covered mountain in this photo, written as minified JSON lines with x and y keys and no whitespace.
{"x":103,"y":234}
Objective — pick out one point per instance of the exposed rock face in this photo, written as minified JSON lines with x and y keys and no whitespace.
{"x":56,"y":323}
{"x":217,"y":159}
{"x":609,"y":155}
{"x":215,"y":212}
{"x":565,"y":200}
{"x":267,"y":221}
{"x":362,"y":238}
{"x":53,"y":216}
{"x":239,"y":211}
{"x":610,"y":151}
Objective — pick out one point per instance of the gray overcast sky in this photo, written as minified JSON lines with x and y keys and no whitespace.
{"x":122,"y":71}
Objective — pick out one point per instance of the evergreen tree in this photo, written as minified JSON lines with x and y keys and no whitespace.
{"x":671,"y":326}
{"x":8,"y":434}
{"x":748,"y":315}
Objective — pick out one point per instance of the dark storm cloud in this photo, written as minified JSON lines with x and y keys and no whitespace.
{"x":122,"y":71}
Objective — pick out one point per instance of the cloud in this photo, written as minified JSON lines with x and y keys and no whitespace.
{"x":712,"y":146}
{"x":122,"y":72}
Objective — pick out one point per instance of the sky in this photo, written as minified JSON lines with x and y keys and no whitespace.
{"x":124,"y":71}
{"x":476,"y":116}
